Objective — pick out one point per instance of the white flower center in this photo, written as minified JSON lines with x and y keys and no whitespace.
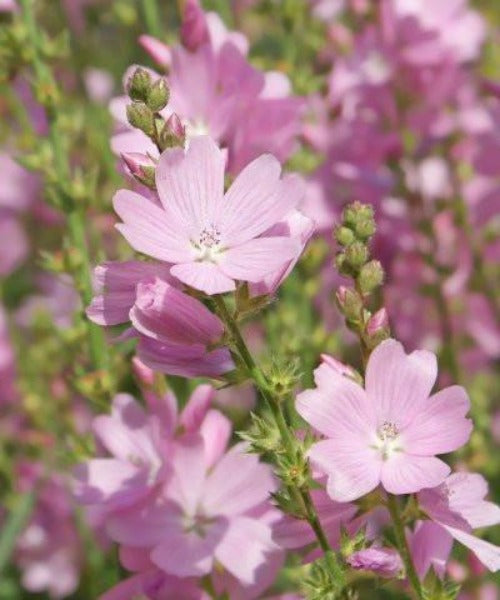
{"x":387,"y":440}
{"x":208,"y":244}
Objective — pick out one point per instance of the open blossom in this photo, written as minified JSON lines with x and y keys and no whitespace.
{"x":457,"y":506}
{"x":140,"y":443}
{"x":202,"y":514}
{"x":389,"y":432}
{"x":211,"y":238}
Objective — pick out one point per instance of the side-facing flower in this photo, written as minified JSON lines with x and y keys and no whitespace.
{"x":389,"y":432}
{"x":457,"y":506}
{"x":211,"y":238}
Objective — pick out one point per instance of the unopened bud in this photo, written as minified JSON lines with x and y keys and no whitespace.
{"x":139,"y":84}
{"x":158,"y":95}
{"x":365,"y":228}
{"x":173,"y":133}
{"x":356,"y":255}
{"x":141,"y":166}
{"x":377,"y":322}
{"x":370,"y":276}
{"x":355,"y":212}
{"x":141,"y":117}
{"x":344,"y":235}
{"x":194,"y":31}
{"x":144,"y":374}
{"x":350,"y":303}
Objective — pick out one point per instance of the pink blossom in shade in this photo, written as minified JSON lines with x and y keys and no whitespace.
{"x":48,"y":551}
{"x":204,"y":515}
{"x":8,"y":6}
{"x":384,"y":562}
{"x":140,"y":443}
{"x":7,"y":363}
{"x":458,"y":507}
{"x":211,"y":238}
{"x":98,"y":84}
{"x":296,"y":226}
{"x":389,"y":432}
{"x":154,"y":584}
{"x":430,"y":547}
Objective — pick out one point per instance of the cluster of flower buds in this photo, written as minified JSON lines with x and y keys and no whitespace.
{"x":150,"y":95}
{"x":353,"y":260}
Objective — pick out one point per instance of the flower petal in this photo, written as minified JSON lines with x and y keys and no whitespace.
{"x":352,"y":470}
{"x":191,"y":184}
{"x":397,"y":382}
{"x":439,"y":425}
{"x":257,"y":200}
{"x":255,"y":259}
{"x":430,"y":546}
{"x":148,"y":230}
{"x":487,"y":553}
{"x":204,"y":276}
{"x":238,"y":483}
{"x":244,"y":548}
{"x":406,"y":473}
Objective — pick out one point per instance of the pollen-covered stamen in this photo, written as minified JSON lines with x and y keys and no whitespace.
{"x":209,"y":237}
{"x":387,"y":431}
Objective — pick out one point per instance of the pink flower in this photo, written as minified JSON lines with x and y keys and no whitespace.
{"x":140,"y":443}
{"x":430,"y":546}
{"x":384,"y":562}
{"x":457,"y":506}
{"x":211,"y":238}
{"x":202,"y":515}
{"x":389,"y":432}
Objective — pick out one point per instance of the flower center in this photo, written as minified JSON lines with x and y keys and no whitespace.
{"x":196,"y":524}
{"x":208,"y":244}
{"x":387,"y":440}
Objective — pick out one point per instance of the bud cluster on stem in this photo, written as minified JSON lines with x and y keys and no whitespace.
{"x":353,"y":260}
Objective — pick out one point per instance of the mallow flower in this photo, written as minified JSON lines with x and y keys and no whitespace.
{"x":457,"y":506}
{"x":389,"y":432}
{"x":212,"y":239}
{"x":204,"y":514}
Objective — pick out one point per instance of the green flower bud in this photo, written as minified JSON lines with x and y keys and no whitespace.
{"x":350,"y":303}
{"x":365,"y":228}
{"x":356,"y":255}
{"x":141,"y":117}
{"x":355,"y":212}
{"x":344,"y":235}
{"x":139,"y":84}
{"x":158,"y":95}
{"x":370,"y":276}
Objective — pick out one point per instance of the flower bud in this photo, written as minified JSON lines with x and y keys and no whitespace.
{"x":139,"y":84}
{"x":377,"y":322}
{"x":370,"y":276}
{"x":141,"y":117}
{"x":365,"y":228}
{"x":141,"y":166}
{"x":344,"y":235}
{"x":144,"y":374}
{"x":194,"y":31}
{"x":355,"y":212}
{"x":356,"y":255}
{"x":173,"y":133}
{"x":158,"y":95}
{"x":349,"y":302}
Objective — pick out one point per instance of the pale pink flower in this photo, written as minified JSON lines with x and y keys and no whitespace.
{"x":140,"y":443}
{"x":384,"y":562}
{"x":204,"y":515}
{"x":430,"y":547}
{"x":457,"y":506}
{"x":389,"y":432}
{"x":211,"y":238}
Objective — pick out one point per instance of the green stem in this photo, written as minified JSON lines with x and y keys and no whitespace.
{"x":152,"y":17}
{"x":404,"y":549}
{"x":274,"y":406}
{"x":44,"y":82}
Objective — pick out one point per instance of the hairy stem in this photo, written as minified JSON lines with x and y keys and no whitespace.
{"x":404,"y":550}
{"x":45,"y":84}
{"x":275,"y":407}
